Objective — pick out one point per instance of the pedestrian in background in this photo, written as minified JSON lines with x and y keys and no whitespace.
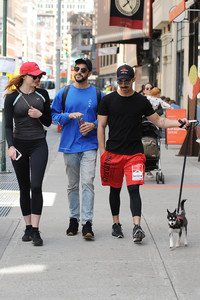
{"x":147,"y":89}
{"x":114,"y":88}
{"x":141,"y":91}
{"x":174,"y":105}
{"x":79,"y":144}
{"x":29,"y":107}
{"x":157,"y":103}
{"x":123,"y":111}
{"x":167,"y":100}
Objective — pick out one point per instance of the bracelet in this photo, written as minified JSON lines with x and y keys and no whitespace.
{"x":95,"y":126}
{"x":182,"y":123}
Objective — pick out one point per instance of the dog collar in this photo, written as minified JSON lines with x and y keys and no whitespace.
{"x":179,"y":217}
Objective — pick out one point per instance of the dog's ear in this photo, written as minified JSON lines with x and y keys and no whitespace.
{"x":175,"y":211}
{"x":168,"y":211}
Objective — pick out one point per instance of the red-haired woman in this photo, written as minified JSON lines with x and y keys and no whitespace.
{"x":27,"y":109}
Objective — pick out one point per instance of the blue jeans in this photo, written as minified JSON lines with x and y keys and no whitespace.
{"x":82,"y":165}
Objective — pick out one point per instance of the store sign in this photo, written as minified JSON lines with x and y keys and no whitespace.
{"x":129,"y":14}
{"x":147,"y":19}
{"x":7,"y":65}
{"x":176,"y":11}
{"x":175,"y":135}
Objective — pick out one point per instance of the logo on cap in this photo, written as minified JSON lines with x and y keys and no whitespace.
{"x":124,"y":70}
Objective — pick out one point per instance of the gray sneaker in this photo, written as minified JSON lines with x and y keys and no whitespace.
{"x":117,"y":231}
{"x":138,"y":234}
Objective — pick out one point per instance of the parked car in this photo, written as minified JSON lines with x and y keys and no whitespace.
{"x":50,"y":86}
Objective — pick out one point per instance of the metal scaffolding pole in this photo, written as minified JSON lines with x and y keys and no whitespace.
{"x":3,"y":144}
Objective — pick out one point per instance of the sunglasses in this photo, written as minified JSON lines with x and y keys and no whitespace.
{"x":126,"y":82}
{"x":35,"y":76}
{"x":148,"y":88}
{"x":83,"y":70}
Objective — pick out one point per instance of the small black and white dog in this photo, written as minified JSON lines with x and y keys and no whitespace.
{"x":177,"y":224}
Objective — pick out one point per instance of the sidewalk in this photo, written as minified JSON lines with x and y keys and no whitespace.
{"x":106,"y":268}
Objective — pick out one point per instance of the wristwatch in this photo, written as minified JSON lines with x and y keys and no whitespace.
{"x":95,"y":126}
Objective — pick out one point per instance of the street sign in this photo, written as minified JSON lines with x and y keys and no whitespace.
{"x":3,"y":82}
{"x":176,"y":11}
{"x":7,"y":65}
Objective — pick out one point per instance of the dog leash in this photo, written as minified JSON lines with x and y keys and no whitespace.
{"x":184,"y":162}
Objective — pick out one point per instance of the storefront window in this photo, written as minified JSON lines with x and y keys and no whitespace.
{"x":180,"y":61}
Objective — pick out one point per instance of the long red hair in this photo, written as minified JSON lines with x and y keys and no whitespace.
{"x":14,"y":83}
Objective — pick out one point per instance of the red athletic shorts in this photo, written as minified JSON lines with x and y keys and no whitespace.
{"x":114,"y":166}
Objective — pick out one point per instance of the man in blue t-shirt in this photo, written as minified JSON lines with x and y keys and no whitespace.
{"x":79,"y":144}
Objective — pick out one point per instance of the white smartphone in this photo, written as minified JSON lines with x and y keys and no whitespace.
{"x":192,"y":121}
{"x":18,"y":154}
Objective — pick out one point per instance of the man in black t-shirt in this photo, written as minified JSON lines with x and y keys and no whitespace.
{"x":123,"y":110}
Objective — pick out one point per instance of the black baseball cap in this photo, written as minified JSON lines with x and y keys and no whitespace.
{"x":85,"y":61}
{"x":125,"y":72}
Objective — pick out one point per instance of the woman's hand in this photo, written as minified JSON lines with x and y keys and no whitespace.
{"x":34,"y":113}
{"x":12,"y":152}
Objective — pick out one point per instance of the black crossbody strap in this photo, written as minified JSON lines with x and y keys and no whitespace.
{"x":64,"y":96}
{"x":30,"y":107}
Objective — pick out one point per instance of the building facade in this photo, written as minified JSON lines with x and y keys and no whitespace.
{"x":114,"y":45}
{"x":29,"y":31}
{"x":46,"y":43}
{"x":179,"y":51}
{"x":68,"y":7}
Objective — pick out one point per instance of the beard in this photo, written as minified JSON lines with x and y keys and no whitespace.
{"x":81,"y":80}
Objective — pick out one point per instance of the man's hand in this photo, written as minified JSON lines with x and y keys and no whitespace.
{"x":86,"y":127}
{"x":75,"y":115}
{"x":101,"y":151}
{"x":183,"y":123}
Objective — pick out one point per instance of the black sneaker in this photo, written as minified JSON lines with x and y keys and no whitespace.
{"x":138,"y":234}
{"x":87,"y":231}
{"x":27,"y":235}
{"x":36,"y":238}
{"x":117,"y":231}
{"x":73,"y":227}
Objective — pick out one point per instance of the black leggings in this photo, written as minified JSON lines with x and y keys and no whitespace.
{"x":135,"y":200}
{"x":30,"y":170}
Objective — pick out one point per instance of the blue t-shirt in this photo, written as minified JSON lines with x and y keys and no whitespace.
{"x":78,"y":100}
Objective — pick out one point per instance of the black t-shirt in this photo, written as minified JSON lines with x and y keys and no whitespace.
{"x":26,"y":128}
{"x":125,"y":121}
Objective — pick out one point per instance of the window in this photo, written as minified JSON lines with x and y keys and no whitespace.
{"x":180,"y":61}
{"x":180,"y":35}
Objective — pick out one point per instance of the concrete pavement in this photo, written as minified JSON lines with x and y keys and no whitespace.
{"x":106,"y":268}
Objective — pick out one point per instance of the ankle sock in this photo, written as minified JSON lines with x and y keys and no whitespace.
{"x":28,"y":227}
